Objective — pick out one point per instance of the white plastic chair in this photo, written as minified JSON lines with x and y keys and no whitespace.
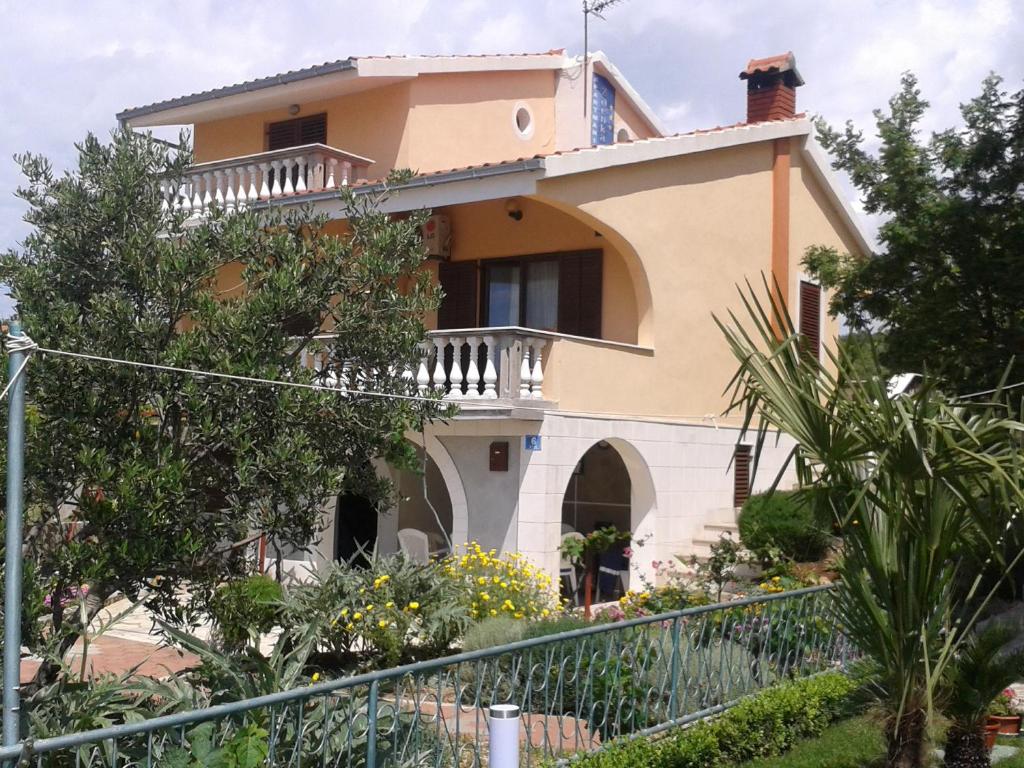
{"x":415,"y":545}
{"x":566,"y":528}
{"x":566,"y":569}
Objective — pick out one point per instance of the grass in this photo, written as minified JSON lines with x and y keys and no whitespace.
{"x":856,"y":743}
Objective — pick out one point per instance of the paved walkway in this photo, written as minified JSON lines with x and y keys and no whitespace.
{"x":114,"y":655}
{"x":129,"y":643}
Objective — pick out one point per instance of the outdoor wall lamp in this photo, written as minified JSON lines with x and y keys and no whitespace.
{"x":293,"y":109}
{"x":513,"y":210}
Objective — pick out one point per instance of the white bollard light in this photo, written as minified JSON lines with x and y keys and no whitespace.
{"x":503,"y":728}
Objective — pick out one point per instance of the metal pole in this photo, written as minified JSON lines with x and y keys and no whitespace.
{"x":503,"y":732}
{"x":13,"y":540}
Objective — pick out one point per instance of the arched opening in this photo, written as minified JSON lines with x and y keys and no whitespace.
{"x":424,"y":503}
{"x":611,"y":484}
{"x":599,"y":495}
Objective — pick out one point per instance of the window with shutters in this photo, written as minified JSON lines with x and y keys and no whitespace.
{"x":741,"y":475}
{"x":809,"y":321}
{"x":298,"y":131}
{"x":550,"y":292}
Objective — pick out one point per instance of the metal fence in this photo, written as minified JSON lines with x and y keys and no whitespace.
{"x":577,"y":691}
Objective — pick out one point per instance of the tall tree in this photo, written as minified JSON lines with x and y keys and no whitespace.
{"x":139,"y":481}
{"x":946,"y":285}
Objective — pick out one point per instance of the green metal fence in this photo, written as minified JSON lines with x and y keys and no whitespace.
{"x":577,"y":690}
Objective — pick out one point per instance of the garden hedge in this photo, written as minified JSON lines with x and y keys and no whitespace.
{"x":785,"y":522}
{"x":762,"y":725}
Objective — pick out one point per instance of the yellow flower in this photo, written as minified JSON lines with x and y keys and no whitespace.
{"x":481,"y":580}
{"x":369,"y":608}
{"x":382,"y":623}
{"x":776,"y":579}
{"x":344,"y":612}
{"x":350,"y":626}
{"x":493,"y":612}
{"x":384,"y":578}
{"x":484,"y":596}
{"x":545,"y":613}
{"x":414,"y":606}
{"x":357,"y":615}
{"x":389,"y":604}
{"x":316,"y":676}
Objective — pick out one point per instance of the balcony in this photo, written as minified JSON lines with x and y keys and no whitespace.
{"x":238,"y":182}
{"x":480,"y":368}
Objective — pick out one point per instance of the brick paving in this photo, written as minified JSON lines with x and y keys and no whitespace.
{"x":110,"y":654}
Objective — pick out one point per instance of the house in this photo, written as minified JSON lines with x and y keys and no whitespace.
{"x":582,"y":252}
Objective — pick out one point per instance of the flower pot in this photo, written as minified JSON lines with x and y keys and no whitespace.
{"x":991,"y":731}
{"x":1009,"y":725}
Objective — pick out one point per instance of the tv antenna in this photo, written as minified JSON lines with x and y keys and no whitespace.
{"x":591,"y":8}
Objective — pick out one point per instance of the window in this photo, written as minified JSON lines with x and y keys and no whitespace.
{"x":550,"y":292}
{"x":810,"y":318}
{"x":296,"y":132}
{"x":741,"y":475}
{"x":602,"y":112}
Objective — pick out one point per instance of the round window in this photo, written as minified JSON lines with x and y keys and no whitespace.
{"x":523,"y":120}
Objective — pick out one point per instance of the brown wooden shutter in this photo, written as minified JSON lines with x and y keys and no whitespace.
{"x":294,"y":133}
{"x":579,"y":293}
{"x":741,"y":475}
{"x":458,"y":305}
{"x":810,"y":318}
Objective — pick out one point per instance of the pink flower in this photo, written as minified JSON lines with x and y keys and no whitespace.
{"x":627,"y":552}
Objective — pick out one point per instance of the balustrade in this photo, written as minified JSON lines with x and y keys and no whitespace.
{"x":485,"y":364}
{"x":236,"y":183}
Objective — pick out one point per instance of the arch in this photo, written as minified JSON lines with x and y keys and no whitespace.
{"x":634,"y":264}
{"x":642,"y":496}
{"x":437,"y":453}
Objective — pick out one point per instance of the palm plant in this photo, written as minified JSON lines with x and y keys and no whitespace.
{"x":911,"y":482}
{"x":982,"y":669}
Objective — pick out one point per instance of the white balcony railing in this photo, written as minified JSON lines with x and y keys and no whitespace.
{"x":471,"y":364}
{"x":241,"y":181}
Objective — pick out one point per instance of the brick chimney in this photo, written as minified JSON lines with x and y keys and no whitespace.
{"x":771,"y":87}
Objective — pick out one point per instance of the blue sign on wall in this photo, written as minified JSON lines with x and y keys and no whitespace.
{"x":602,"y":112}
{"x":531,"y":442}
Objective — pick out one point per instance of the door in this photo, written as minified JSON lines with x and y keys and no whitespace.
{"x":355,"y":529}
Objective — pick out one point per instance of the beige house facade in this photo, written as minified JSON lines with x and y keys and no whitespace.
{"x":582,"y":252}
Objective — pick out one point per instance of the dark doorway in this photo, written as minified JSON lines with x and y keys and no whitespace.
{"x":355,"y":529}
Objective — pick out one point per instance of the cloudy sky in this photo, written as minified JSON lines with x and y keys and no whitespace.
{"x":71,"y":65}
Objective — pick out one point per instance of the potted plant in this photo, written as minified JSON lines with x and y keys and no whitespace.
{"x":584,"y":551}
{"x":1001,"y":712}
{"x":973,"y":686}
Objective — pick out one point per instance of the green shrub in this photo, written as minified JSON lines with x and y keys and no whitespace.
{"x":782,"y":523}
{"x":767,"y":723}
{"x":493,"y":631}
{"x":245,"y":609}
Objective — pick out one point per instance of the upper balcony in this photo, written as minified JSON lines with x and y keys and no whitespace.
{"x":280,"y":174}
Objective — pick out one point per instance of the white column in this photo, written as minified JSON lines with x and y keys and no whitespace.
{"x":254,"y":193}
{"x":242,"y":197}
{"x":346,"y":172}
{"x":331,"y":163}
{"x":275,"y":190}
{"x":218,"y":182}
{"x":440,"y":377}
{"x":207,"y":194}
{"x":472,"y":369}
{"x":537,"y":374}
{"x":229,"y":194}
{"x":455,"y":375}
{"x":264,"y":183}
{"x":423,"y":373}
{"x":287,"y":187}
{"x":185,"y":197}
{"x":197,"y":197}
{"x":300,"y":183}
{"x":490,"y":372}
{"x":315,"y":178}
{"x":165,"y":194}
{"x":524,"y":372}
